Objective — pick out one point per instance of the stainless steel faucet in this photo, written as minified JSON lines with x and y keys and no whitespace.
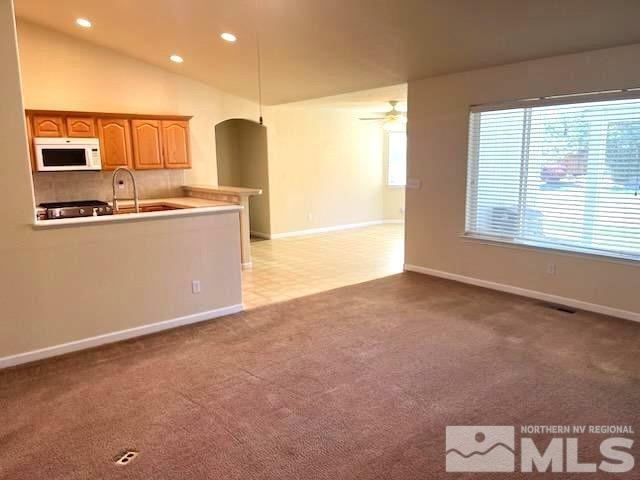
{"x":135,"y":189}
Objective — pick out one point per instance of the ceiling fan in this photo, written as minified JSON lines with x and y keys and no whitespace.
{"x":393,"y":119}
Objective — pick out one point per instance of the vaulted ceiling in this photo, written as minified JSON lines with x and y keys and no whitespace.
{"x":315,"y":48}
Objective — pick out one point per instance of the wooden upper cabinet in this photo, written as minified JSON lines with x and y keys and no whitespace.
{"x":175,"y":143}
{"x":80,"y":127}
{"x":115,"y":143}
{"x":147,"y":144}
{"x":126,"y":140}
{"x":48,"y":126}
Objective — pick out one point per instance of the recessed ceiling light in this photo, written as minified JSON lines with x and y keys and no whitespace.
{"x":228,"y":37}
{"x":83,"y":22}
{"x":176,"y":58}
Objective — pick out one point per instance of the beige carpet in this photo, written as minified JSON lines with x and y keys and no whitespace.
{"x":354,"y":383}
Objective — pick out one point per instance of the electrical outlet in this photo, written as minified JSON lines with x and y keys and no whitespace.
{"x":551,"y":269}
{"x":402,"y":210}
{"x":414,"y":183}
{"x":195,"y":286}
{"x":309,"y":216}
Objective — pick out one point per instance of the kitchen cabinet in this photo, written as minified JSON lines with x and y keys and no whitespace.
{"x":147,"y":144}
{"x":175,"y":144}
{"x":80,"y":127}
{"x":48,"y":126}
{"x":115,"y":143}
{"x":136,"y":141}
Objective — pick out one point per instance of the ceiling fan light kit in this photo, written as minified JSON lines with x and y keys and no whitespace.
{"x":397,"y":123}
{"x":393,"y":119}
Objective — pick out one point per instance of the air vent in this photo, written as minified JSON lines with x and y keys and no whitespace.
{"x":127,"y":457}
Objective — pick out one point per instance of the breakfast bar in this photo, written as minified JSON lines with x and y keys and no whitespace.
{"x":198,"y":200}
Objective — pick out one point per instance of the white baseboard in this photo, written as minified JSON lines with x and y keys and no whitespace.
{"x":547,"y":297}
{"x":90,"y":342}
{"x":333,"y":228}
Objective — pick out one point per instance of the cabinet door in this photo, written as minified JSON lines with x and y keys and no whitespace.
{"x":115,"y":143}
{"x":147,"y":144}
{"x":175,"y":142}
{"x":80,"y":127}
{"x":48,"y":126}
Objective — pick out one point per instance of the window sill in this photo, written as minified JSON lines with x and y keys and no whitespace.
{"x":395,"y":186}
{"x":622,"y":259}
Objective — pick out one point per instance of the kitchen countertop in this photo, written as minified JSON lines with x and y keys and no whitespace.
{"x":185,"y":206}
{"x":178,"y":202}
{"x":222,"y":189}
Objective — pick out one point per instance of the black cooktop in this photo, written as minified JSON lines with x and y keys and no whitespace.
{"x":79,"y":203}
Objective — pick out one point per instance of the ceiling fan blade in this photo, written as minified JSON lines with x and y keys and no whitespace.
{"x":373,"y":118}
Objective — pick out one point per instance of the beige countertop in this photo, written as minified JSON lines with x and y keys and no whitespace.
{"x":223,"y":189}
{"x":184,"y":206}
{"x":177,"y":202}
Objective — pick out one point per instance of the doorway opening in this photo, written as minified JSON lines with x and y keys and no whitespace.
{"x":241,"y":152}
{"x":332,"y":209}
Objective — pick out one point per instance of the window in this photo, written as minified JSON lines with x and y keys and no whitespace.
{"x":557,"y":174}
{"x":396,"y":158}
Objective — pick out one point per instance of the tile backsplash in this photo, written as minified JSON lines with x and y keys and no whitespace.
{"x":66,"y":186}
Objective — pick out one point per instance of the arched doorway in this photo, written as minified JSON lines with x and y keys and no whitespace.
{"x":241,"y":152}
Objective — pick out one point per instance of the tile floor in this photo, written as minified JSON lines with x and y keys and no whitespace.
{"x":287,"y":268}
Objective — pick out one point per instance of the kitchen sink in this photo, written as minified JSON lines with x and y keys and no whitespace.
{"x":146,"y":208}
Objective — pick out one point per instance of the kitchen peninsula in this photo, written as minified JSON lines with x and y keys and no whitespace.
{"x":199,"y":200}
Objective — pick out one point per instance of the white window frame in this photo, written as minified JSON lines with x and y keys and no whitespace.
{"x":387,"y":164}
{"x":616,"y":257}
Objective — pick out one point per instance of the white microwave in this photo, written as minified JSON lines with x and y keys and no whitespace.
{"x":64,"y":154}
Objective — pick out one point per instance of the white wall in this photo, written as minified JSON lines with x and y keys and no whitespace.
{"x":61,"y":72}
{"x":67,"y":284}
{"x":325,"y":167}
{"x":438,"y":127}
{"x":393,"y":203}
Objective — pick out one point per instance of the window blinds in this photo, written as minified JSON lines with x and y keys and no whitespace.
{"x":563,"y":174}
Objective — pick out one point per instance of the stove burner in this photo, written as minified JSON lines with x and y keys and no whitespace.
{"x":82,"y":208}
{"x":79,"y":203}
